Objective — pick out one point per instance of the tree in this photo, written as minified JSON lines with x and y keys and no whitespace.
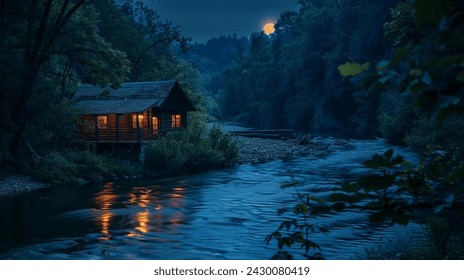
{"x":38,"y":32}
{"x":291,"y":78}
{"x":424,"y":83}
{"x":134,"y":28}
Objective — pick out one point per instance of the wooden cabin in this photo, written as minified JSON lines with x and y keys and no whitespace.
{"x":133,"y":113}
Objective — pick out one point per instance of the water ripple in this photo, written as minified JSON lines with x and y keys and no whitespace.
{"x":224,"y":214}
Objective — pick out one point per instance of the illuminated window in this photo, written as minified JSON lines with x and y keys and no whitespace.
{"x":134,"y":120}
{"x":176,"y":121}
{"x":103,"y":122}
{"x":155,"y":122}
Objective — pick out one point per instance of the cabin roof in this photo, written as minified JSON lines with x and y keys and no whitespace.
{"x":129,"y":98}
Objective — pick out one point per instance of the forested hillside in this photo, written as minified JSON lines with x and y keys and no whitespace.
{"x":290,"y":79}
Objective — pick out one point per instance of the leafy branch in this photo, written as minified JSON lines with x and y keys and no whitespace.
{"x":298,"y":230}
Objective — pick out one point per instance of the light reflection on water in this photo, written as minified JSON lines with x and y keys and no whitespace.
{"x":104,"y":200}
{"x":224,"y":214}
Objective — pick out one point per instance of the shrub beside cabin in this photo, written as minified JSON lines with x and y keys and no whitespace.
{"x":133,"y":113}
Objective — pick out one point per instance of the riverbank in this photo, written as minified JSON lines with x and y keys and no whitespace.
{"x":251,"y":150}
{"x":19,"y":184}
{"x":255,"y":149}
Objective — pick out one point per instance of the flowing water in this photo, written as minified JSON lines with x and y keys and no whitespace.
{"x":223,"y":214}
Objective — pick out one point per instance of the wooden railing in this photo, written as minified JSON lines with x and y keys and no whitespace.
{"x":104,"y":135}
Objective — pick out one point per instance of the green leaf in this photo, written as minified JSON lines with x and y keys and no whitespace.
{"x":417,"y":85}
{"x":309,"y":244}
{"x":290,"y":185}
{"x":285,"y":241}
{"x":315,"y":199}
{"x":336,"y":197}
{"x":374,"y":204}
{"x":438,"y":208}
{"x":426,"y":79}
{"x":370,"y":81}
{"x":378,"y":217}
{"x":282,"y":255}
{"x":352,"y":69}
{"x":396,"y":161}
{"x":432,"y":10}
{"x":377,"y":161}
{"x":460,"y":77}
{"x":447,"y":112}
{"x":349,"y":187}
{"x":384,"y":160}
{"x":297,"y":237}
{"x":401,"y":218}
{"x":415,"y":72}
{"x":301,"y":209}
{"x":288,"y":224}
{"x":457,"y":174}
{"x":443,"y":102}
{"x":389,"y":75}
{"x":452,"y":60}
{"x":382,"y":65}
{"x":399,"y":55}
{"x":338,"y":206}
{"x":388,"y":154}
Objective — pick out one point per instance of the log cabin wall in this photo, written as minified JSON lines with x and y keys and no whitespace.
{"x":124,"y":130}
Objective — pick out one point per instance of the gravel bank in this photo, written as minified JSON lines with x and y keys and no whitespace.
{"x":19,"y":184}
{"x":259,"y":150}
{"x":254,"y":150}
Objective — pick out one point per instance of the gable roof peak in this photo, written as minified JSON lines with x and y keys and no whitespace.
{"x":129,"y":98}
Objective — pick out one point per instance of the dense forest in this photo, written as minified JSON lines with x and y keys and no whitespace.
{"x":365,"y":69}
{"x":291,"y":78}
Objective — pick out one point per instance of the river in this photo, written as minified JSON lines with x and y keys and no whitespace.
{"x":221,"y":214}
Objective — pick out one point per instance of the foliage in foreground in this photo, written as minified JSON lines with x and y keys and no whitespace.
{"x":434,"y":244}
{"x":191,"y":150}
{"x":393,"y":188}
{"x":393,"y":191}
{"x":422,"y":87}
{"x":298,"y":228}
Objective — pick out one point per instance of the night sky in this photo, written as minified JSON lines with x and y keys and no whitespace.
{"x":203,"y":19}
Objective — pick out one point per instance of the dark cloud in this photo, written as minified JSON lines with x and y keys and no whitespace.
{"x":203,"y":19}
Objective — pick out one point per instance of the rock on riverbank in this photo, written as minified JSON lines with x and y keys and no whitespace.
{"x":19,"y":184}
{"x":264,"y":149}
{"x":259,"y":149}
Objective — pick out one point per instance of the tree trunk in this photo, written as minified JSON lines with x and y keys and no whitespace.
{"x":37,"y":46}
{"x":19,"y":114}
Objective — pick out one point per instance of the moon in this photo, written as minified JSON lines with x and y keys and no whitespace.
{"x":269,"y":28}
